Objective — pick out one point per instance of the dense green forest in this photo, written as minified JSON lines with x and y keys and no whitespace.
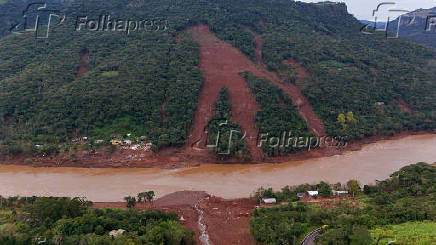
{"x":129,"y":78}
{"x":406,"y":198}
{"x":224,"y":134}
{"x":277,"y":116}
{"x":51,"y":220}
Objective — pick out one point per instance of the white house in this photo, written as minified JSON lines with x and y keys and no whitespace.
{"x":312,"y":193}
{"x":115,"y":233}
{"x":269,"y":200}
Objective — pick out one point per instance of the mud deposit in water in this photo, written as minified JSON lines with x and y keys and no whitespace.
{"x":374,"y":162}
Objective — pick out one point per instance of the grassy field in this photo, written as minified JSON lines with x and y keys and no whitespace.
{"x":411,"y":233}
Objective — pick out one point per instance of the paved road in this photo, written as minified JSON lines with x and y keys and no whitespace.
{"x":310,"y":238}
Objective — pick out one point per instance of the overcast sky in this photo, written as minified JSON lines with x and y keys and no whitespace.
{"x":362,"y":9}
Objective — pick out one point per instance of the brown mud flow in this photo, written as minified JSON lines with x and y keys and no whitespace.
{"x":301,"y":73}
{"x":403,"y":105}
{"x":83,"y":64}
{"x":221,"y":64}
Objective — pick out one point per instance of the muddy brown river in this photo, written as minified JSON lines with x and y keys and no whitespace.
{"x":374,"y":162}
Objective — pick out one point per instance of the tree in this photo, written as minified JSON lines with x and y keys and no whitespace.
{"x":130,"y":201}
{"x":149,"y":195}
{"x":337,"y":186}
{"x":46,"y":210}
{"x":369,"y":189}
{"x":341,"y":120}
{"x":360,"y":236}
{"x":353,"y":187}
{"x":169,"y":232}
{"x":324,"y":189}
{"x":141,"y":197}
{"x":350,"y":117}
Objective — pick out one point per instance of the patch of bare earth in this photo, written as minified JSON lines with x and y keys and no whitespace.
{"x":404,"y":106}
{"x":228,"y":221}
{"x":301,"y":73}
{"x":83,"y":65}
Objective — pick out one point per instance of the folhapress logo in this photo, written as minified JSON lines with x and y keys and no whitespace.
{"x":32,"y":20}
{"x":389,"y":10}
{"x":106,"y":23}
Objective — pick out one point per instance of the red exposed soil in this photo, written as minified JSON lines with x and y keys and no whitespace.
{"x":302,"y":73}
{"x":221,"y":64}
{"x":83,"y":65}
{"x":299,"y":100}
{"x":404,"y":106}
{"x":227,"y":221}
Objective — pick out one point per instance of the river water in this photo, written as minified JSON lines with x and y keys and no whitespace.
{"x":374,"y":162}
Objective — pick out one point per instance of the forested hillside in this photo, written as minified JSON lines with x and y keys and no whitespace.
{"x":104,"y":83}
{"x":405,"y":199}
{"x":71,"y":221}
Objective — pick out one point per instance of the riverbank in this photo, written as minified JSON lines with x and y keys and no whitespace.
{"x":373,"y":162}
{"x":177,"y":157}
